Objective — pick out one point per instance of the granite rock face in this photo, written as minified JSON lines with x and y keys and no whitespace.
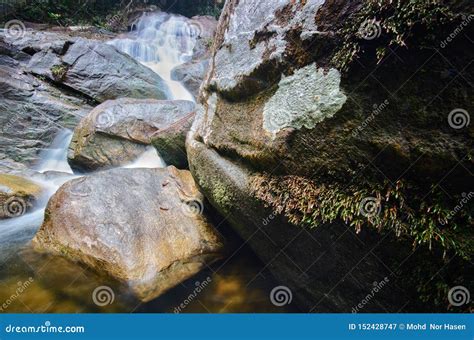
{"x":32,"y":112}
{"x":276,"y":105}
{"x":50,"y":80}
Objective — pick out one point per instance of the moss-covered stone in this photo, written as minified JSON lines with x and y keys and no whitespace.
{"x":390,"y":140}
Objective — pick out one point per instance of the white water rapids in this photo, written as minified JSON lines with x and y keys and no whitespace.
{"x":160,"y":41}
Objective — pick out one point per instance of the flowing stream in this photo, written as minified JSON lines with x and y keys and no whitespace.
{"x":161,"y":41}
{"x":32,"y":282}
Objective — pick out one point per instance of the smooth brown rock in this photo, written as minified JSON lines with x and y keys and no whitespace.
{"x":142,"y":226}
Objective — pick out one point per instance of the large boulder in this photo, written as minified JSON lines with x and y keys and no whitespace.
{"x":118,"y":131}
{"x":152,"y":238}
{"x":98,"y":71}
{"x":32,"y":113}
{"x":17,"y":195}
{"x":31,"y":41}
{"x":291,"y":131}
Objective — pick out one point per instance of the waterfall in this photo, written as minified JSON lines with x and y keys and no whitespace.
{"x":16,"y":231}
{"x":55,"y":158}
{"x":161,"y":42}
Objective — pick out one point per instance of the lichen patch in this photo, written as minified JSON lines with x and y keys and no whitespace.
{"x":304,"y":99}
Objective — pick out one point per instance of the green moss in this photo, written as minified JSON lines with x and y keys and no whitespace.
{"x":392,"y":23}
{"x":427,"y":221}
{"x":442,"y":227}
{"x":222,"y":196}
{"x":209,"y":42}
{"x":59,"y":71}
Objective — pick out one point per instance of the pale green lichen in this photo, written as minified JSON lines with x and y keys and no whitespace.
{"x":304,"y":99}
{"x":222,"y":195}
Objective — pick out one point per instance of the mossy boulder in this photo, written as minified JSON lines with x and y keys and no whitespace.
{"x":380,"y":146}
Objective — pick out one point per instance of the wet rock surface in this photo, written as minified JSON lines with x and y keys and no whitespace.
{"x":50,"y":80}
{"x":32,"y":113}
{"x":17,"y":195}
{"x":117,"y":132}
{"x":98,"y":71}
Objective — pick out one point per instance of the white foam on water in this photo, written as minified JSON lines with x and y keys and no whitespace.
{"x":55,"y":157}
{"x":161,"y":42}
{"x":149,"y":159}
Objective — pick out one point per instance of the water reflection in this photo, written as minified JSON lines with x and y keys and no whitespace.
{"x":40,"y":283}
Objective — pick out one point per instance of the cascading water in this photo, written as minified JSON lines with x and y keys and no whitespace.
{"x":53,"y":160}
{"x":161,"y":41}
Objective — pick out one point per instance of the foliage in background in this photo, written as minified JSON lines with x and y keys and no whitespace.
{"x":100,"y":13}
{"x":402,"y":23}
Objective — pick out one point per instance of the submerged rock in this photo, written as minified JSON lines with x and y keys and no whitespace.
{"x":17,"y":195}
{"x":142,"y":226}
{"x":117,"y":132}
